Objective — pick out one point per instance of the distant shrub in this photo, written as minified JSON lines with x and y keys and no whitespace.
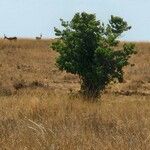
{"x":19,"y":84}
{"x":87,"y":48}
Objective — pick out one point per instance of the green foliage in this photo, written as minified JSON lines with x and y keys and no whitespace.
{"x":87,"y":48}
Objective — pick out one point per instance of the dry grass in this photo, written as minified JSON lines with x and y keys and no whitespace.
{"x":37,"y":113}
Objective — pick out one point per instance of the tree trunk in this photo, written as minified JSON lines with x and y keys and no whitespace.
{"x":89,"y":90}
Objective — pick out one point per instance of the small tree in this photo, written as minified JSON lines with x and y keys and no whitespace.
{"x":87,"y":48}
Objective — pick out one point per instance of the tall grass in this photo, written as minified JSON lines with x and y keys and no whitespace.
{"x":39,"y":108}
{"x":47,"y":121}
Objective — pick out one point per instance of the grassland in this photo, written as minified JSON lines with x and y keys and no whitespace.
{"x":40,"y":110}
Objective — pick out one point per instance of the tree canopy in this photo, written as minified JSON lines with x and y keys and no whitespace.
{"x":87,"y":47}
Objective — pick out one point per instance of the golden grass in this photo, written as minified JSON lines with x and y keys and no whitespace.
{"x":37,"y":112}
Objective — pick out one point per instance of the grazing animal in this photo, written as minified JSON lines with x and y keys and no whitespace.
{"x":10,"y":38}
{"x":39,"y":38}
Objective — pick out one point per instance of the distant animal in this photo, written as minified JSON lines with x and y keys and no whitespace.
{"x":10,"y":38}
{"x":39,"y":37}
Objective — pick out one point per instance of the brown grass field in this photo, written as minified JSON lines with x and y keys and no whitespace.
{"x":40,"y":110}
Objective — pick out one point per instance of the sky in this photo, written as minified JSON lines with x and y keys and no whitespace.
{"x":30,"y":18}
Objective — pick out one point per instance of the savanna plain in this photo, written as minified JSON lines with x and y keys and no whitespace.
{"x":40,"y":108}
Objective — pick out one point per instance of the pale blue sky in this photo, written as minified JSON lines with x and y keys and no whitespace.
{"x":29,"y":18}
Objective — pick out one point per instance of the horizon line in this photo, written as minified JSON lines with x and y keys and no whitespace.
{"x":51,"y":38}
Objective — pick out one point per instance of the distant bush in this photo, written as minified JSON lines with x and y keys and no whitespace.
{"x":87,"y":48}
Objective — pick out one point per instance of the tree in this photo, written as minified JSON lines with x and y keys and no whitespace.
{"x":87,"y":47}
